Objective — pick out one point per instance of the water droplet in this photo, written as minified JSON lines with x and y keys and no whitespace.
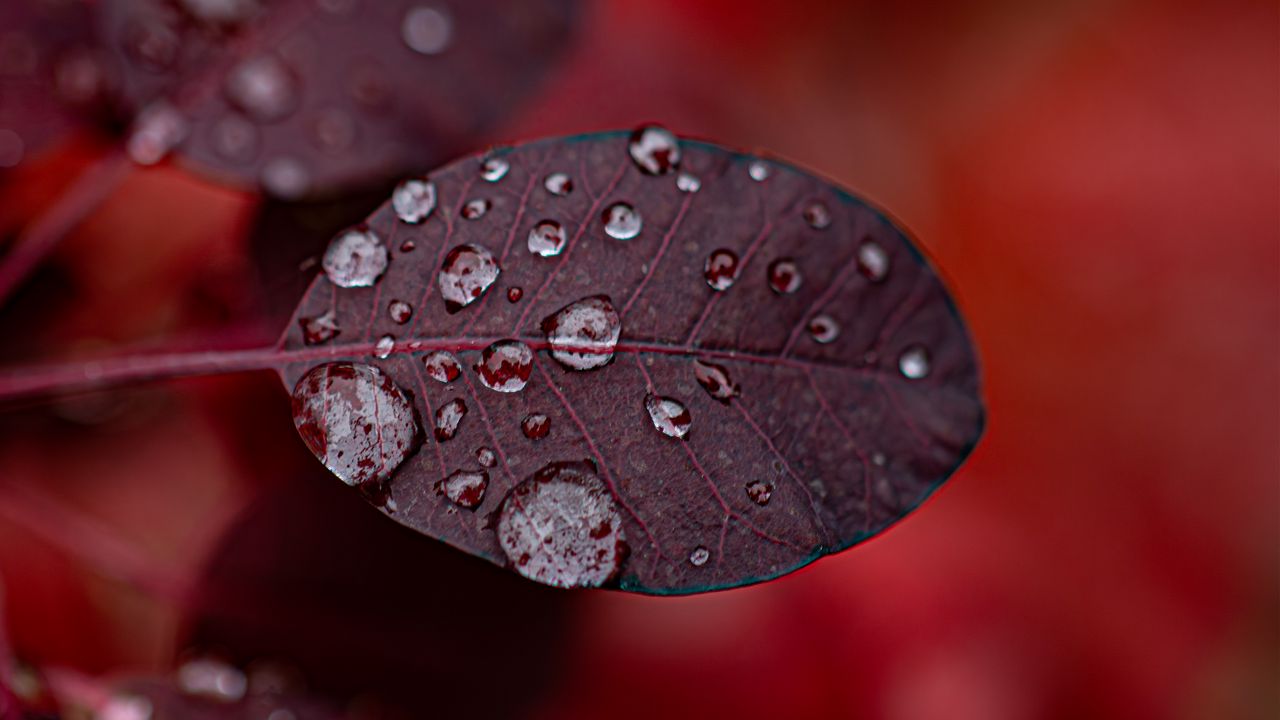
{"x":878,"y":458}
{"x":583,"y":334}
{"x":465,"y":488}
{"x":547,"y":238}
{"x":414,"y":200}
{"x":818,"y":216}
{"x":485,"y":457}
{"x":427,"y":30}
{"x":399,"y":311}
{"x":355,"y":258}
{"x":467,"y":272}
{"x":263,"y":87}
{"x":158,"y":130}
{"x":320,"y":329}
{"x":505,"y":366}
{"x":475,"y":209}
{"x":382,"y":349}
{"x":784,"y":276}
{"x":721,"y":270}
{"x":758,"y":171}
{"x":914,"y":362}
{"x":285,"y":177}
{"x":621,"y":221}
{"x":558,"y":184}
{"x":448,"y":417}
{"x":759,"y":491}
{"x":699,"y":556}
{"x":514,"y":294}
{"x":493,"y":169}
{"x":442,"y":366}
{"x":873,"y":261}
{"x":355,"y":420}
{"x":235,"y":138}
{"x":687,"y":183}
{"x":561,"y":527}
{"x":655,"y":150}
{"x":670,"y":417}
{"x":535,"y":426}
{"x":126,"y":707}
{"x":824,"y":329}
{"x":79,"y":76}
{"x":212,"y":679}
{"x":715,"y":380}
{"x":408,"y":246}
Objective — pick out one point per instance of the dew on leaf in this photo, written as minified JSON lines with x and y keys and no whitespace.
{"x":759,"y":491}
{"x":758,"y":170}
{"x":263,"y":87}
{"x":475,"y":209}
{"x":558,"y":183}
{"x":547,"y":238}
{"x":721,"y":269}
{"x":355,"y":258}
{"x":670,"y":417}
{"x":824,"y":329}
{"x":319,"y":329}
{"x":399,"y":311}
{"x":467,"y":272}
{"x":621,"y":221}
{"x":382,"y":349}
{"x":514,"y":294}
{"x":485,"y":457}
{"x":408,"y":246}
{"x":655,"y":150}
{"x":817,"y":216}
{"x":212,"y":680}
{"x":687,"y":183}
{"x":355,"y":420}
{"x":583,"y":334}
{"x":784,"y":276}
{"x":715,"y":380}
{"x":914,"y":363}
{"x":414,"y":200}
{"x":699,"y":556}
{"x":505,"y":366}
{"x":535,"y":426}
{"x":493,"y":169}
{"x":561,"y":527}
{"x":873,"y":261}
{"x":448,"y":417}
{"x":465,"y":488}
{"x":427,"y":30}
{"x":442,"y":366}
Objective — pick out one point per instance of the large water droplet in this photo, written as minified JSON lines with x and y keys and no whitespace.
{"x":759,"y":491}
{"x":505,"y":366}
{"x":427,"y":30}
{"x":355,"y":258}
{"x":715,"y":380}
{"x":535,"y":426}
{"x":561,"y":527}
{"x":320,"y":329}
{"x":355,"y":420}
{"x":399,"y":311}
{"x":212,"y":679}
{"x":442,"y":366}
{"x":784,"y":276}
{"x":448,"y":417}
{"x":758,"y":170}
{"x":824,"y":329}
{"x":721,"y":269}
{"x":486,"y":457}
{"x":547,"y":238}
{"x":914,"y":362}
{"x":559,"y":184}
{"x":468,"y":271}
{"x":475,"y":209}
{"x":382,"y":349}
{"x":655,"y":150}
{"x":699,"y":556}
{"x":465,"y":488}
{"x":263,"y":87}
{"x":621,"y":221}
{"x":687,"y":183}
{"x":817,"y":216}
{"x":583,"y":334}
{"x":414,"y":200}
{"x":873,"y":261}
{"x":493,"y":169}
{"x":670,"y":417}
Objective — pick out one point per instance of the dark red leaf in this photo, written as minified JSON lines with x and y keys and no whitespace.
{"x":734,"y":431}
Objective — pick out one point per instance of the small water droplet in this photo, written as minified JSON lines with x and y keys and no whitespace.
{"x":559,"y":184}
{"x":465,"y":488}
{"x":485,"y":457}
{"x":285,"y":177}
{"x":817,"y":216}
{"x":408,"y":246}
{"x":427,"y":30}
{"x":399,"y":311}
{"x":583,"y":334}
{"x":355,"y":258}
{"x":355,"y":420}
{"x":158,"y":130}
{"x":212,"y":679}
{"x":715,"y":380}
{"x":475,"y":209}
{"x":493,"y":169}
{"x":759,"y":491}
{"x":655,"y":150}
{"x":758,"y":170}
{"x":234,"y":138}
{"x":505,"y":366}
{"x":382,"y":349}
{"x":442,"y":366}
{"x":414,"y":200}
{"x":873,"y":261}
{"x":263,"y":87}
{"x":699,"y":556}
{"x":535,"y":426}
{"x":914,"y":362}
{"x":621,"y":221}
{"x":784,"y":276}
{"x":670,"y":417}
{"x":466,"y":274}
{"x":721,"y":269}
{"x":687,"y":183}
{"x":320,"y":329}
{"x":448,"y":417}
{"x":547,"y":238}
{"x":824,"y":329}
{"x":878,"y":458}
{"x":126,"y":707}
{"x":561,"y":527}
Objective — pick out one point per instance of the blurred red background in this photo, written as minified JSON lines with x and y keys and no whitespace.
{"x":1100,"y":182}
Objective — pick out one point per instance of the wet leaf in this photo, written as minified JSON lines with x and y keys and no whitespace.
{"x":701,"y":436}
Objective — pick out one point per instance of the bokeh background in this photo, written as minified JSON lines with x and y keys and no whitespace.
{"x":1099,"y":180}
